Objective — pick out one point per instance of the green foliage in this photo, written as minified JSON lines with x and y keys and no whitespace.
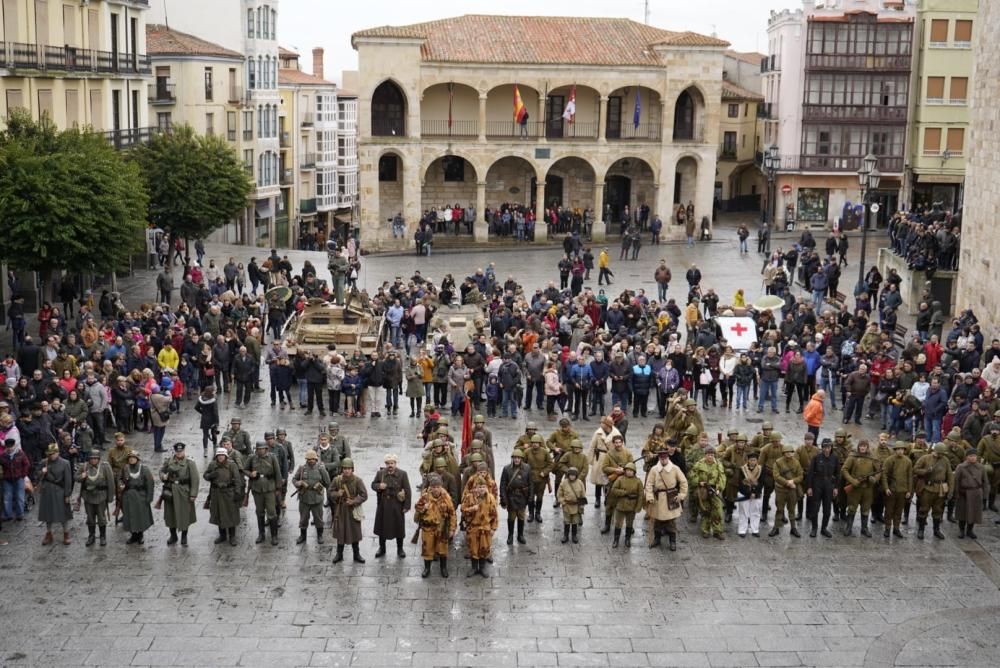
{"x":68,"y":199}
{"x":196,"y":184}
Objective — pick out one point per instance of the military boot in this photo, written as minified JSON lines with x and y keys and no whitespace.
{"x":381,"y":549}
{"x":849,"y":524}
{"x":482,"y":569}
{"x":531,"y":513}
{"x":443,"y":561}
{"x":66,"y":540}
{"x":823,"y":531}
{"x":538,"y":512}
{"x":133,"y":538}
{"x":475,"y":568}
{"x":897,"y":533}
{"x":812,"y":530}
{"x":729,"y":515}
{"x":573,"y":529}
{"x":232,"y":536}
{"x":672,"y":537}
{"x":319,"y":535}
{"x":520,"y":532}
{"x":969,"y":533}
{"x":607,"y":524}
{"x":565,"y":538}
{"x":274,"y":531}
{"x":775,"y":530}
{"x":618,"y":534}
{"x":961,"y":529}
{"x":339,"y":557}
{"x":104,"y":536}
{"x":302,"y":537}
{"x":920,"y":528}
{"x":358,"y":559}
{"x":222,"y":537}
{"x":798,"y":510}
{"x":795,"y":530}
{"x":906,"y":514}
{"x":864,"y":527}
{"x":657,"y":536}
{"x":426,"y":573}
{"x":91,"y":538}
{"x":400,"y":552}
{"x":628,"y":537}
{"x":510,"y":532}
{"x":173,"y":537}
{"x":951,"y":511}
{"x":937,"y":530}
{"x":993,"y":503}
{"x":260,"y":530}
{"x":184,"y":538}
{"x":885,"y":532}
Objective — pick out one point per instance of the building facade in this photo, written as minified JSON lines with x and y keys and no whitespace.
{"x":739,"y":184}
{"x":248,"y":27}
{"x":83,"y":64}
{"x":436,"y":119}
{"x":942,"y":83}
{"x":837,"y":87}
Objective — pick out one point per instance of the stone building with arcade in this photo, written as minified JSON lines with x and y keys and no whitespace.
{"x":436,"y":119}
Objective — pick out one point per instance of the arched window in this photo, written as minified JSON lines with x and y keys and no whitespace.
{"x":274,"y":120}
{"x":388,"y":111}
{"x":274,"y":24}
{"x":258,"y":24}
{"x":251,"y":73}
{"x":266,"y":21}
{"x":260,"y":121}
{"x":260,"y":169}
{"x":250,"y":23}
{"x":684,"y":117}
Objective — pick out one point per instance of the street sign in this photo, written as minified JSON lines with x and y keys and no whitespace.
{"x":873,"y":208}
{"x":786,"y":189}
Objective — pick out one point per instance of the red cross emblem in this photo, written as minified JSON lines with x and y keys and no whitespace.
{"x":739,"y":329}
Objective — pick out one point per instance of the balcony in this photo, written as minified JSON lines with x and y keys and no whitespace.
{"x":284,"y":140}
{"x":765,"y":110}
{"x":851,"y":113}
{"x":847,"y":163}
{"x":20,"y":55}
{"x":727,"y":153}
{"x":769,"y":64}
{"x":125,"y":139}
{"x":628,"y":131}
{"x":433,"y":128}
{"x":307,"y":161}
{"x":235,"y":94}
{"x":307,"y":205}
{"x":307,"y":120}
{"x":162,"y":94}
{"x":287,"y":177}
{"x":561,"y":129}
{"x":857,"y":62}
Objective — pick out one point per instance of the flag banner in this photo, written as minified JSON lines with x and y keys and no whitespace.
{"x":519,"y":110}
{"x":739,"y":332}
{"x":569,"y":113}
{"x":638,"y":108}
{"x":451,"y":100}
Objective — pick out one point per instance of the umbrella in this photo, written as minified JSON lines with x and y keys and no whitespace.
{"x":768,"y":303}
{"x":278,"y":294}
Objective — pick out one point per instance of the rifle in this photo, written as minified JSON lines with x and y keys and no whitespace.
{"x":416,"y":533}
{"x":849,"y":487}
{"x":79,"y":499}
{"x":167,"y":492}
{"x":246,"y":496}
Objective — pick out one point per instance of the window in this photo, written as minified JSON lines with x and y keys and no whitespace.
{"x":388,"y":168}
{"x":274,"y":24}
{"x":959,"y":90}
{"x":963,"y":33}
{"x":956,"y":140}
{"x":250,"y":23}
{"x":251,"y":73}
{"x":939,"y":31}
{"x":231,"y":125}
{"x":209,"y":124}
{"x":260,"y":122}
{"x":729,"y":144}
{"x":163,"y":120}
{"x":880,"y":143}
{"x":209,"y":87}
{"x":248,"y":161}
{"x":247,"y":126}
{"x":454,"y":168}
{"x":734,"y":111}
{"x":932,"y":141}
{"x":935,"y":89}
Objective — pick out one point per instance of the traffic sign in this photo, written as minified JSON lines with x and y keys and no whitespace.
{"x":873,"y":208}
{"x":786,"y":189}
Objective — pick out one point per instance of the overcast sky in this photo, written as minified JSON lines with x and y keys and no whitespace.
{"x":303,"y":24}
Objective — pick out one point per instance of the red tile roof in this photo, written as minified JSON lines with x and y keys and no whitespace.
{"x":164,"y":41}
{"x":477,"y":38}
{"x":290,"y":77}
{"x":731,"y":91}
{"x":287,"y":53}
{"x":746,"y":56}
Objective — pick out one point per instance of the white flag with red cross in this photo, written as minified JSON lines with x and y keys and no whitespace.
{"x":739,"y":332}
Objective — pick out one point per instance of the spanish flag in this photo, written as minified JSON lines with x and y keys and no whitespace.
{"x":519,"y":111}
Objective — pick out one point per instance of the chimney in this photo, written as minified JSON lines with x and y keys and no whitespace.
{"x":318,"y":62}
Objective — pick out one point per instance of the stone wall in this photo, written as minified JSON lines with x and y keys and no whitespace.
{"x":437,"y":192}
{"x":979,"y":268}
{"x":507,"y":175}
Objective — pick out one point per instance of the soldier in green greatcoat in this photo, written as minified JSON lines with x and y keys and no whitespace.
{"x":97,"y":490}
{"x":916,"y":451}
{"x":225,"y":495}
{"x":280,"y":455}
{"x":180,"y":490}
{"x":311,"y":481}
{"x":861,"y":473}
{"x":787,"y":473}
{"x":709,"y":480}
{"x":264,"y":473}
{"x":558,"y":444}
{"x":137,"y":489}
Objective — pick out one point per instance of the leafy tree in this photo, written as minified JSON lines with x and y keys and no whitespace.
{"x":196,"y":184}
{"x":68,"y":199}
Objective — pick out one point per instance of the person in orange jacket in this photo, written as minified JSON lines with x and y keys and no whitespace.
{"x":813,"y":412}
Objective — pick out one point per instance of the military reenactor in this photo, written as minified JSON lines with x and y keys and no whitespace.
{"x":805,"y":454}
{"x":612,"y":464}
{"x":600,"y":443}
{"x":264,"y":474}
{"x":451,"y":484}
{"x":750,"y":486}
{"x":97,"y":489}
{"x":225,"y":495}
{"x":916,"y":451}
{"x":654,"y":443}
{"x":989,"y":455}
{"x":971,"y":488}
{"x":762,"y":437}
{"x":822,"y":486}
{"x":346,"y":494}
{"x":897,"y":487}
{"x":239,"y":438}
{"x":118,"y":456}
{"x":515,"y":492}
{"x":524,"y":440}
{"x":732,"y":460}
{"x":392,"y":501}
{"x":842,"y":448}
{"x":329,"y":458}
{"x":55,"y":492}
{"x":558,"y":444}
{"x":233,"y":455}
{"x":180,"y":490}
{"x":769,"y":454}
{"x":438,"y":449}
{"x":338,"y":442}
{"x":281,"y":438}
{"x":576,"y":459}
{"x":476,"y":447}
{"x":788,"y":475}
{"x":957,"y":447}
{"x":709,"y":479}
{"x":280,"y":455}
{"x":311,"y":480}
{"x":470,"y":467}
{"x":482,"y":432}
{"x":480,"y":518}
{"x":572,"y":497}
{"x":933,"y":480}
{"x":689,"y":444}
{"x":137,"y":488}
{"x":627,"y":492}
{"x":862,"y":474}
{"x":435,"y":513}
{"x":881,"y":453}
{"x":729,"y":442}
{"x":666,"y":489}
{"x":539,"y":459}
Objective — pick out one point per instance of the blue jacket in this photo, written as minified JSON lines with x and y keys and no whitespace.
{"x":936,"y":404}
{"x":599,"y":373}
{"x":812,"y":359}
{"x":581,"y":374}
{"x":642,"y":379}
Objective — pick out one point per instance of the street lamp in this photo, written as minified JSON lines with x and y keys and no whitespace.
{"x":772,"y":161}
{"x":868,"y":179}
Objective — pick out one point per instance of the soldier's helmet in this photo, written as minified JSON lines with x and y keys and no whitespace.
{"x":479,"y":419}
{"x":630,"y":466}
{"x":94,"y":454}
{"x":788,"y":447}
{"x":439,"y":462}
{"x":710,"y":450}
{"x":688,"y":403}
{"x":576,"y":444}
{"x":840,"y":433}
{"x":476,"y":444}
{"x":733,"y":431}
{"x":442,"y":430}
{"x":741,"y":438}
{"x":347,"y":463}
{"x":517,"y":453}
{"x":530,"y":426}
{"x":473,"y":458}
{"x":537,"y":438}
{"x":692,"y":430}
{"x":133,"y":453}
{"x":311,"y":454}
{"x":333,"y":426}
{"x":442,"y":421}
{"x":900,"y":445}
{"x":955,"y":435}
{"x":766,"y":426}
{"x":261,"y":445}
{"x":941,"y":448}
{"x":775,"y":437}
{"x":572,"y":472}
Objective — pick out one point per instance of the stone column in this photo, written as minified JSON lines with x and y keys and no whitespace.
{"x":541,"y":229}
{"x":704,"y":193}
{"x":602,"y":123}
{"x":599,"y":232}
{"x":482,"y":118}
{"x":480,"y":232}
{"x":540,"y":121}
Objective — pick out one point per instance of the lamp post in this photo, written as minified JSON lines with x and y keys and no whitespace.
{"x":772,"y":160}
{"x":868,"y":179}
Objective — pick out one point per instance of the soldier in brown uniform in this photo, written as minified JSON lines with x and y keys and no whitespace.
{"x":769,"y":454}
{"x":311,"y":482}
{"x":346,"y":494}
{"x":392,"y":493}
{"x":451,"y":484}
{"x":916,"y":451}
{"x":897,"y":487}
{"x":881,"y":453}
{"x":572,"y":495}
{"x":524,"y":440}
{"x":971,"y":487}
{"x":989,"y":455}
{"x":957,"y":447}
{"x":762,"y":437}
{"x":933,"y":481}
{"x":477,"y":446}
{"x":538,"y":457}
{"x":558,"y":444}
{"x":117,"y":459}
{"x":654,"y":443}
{"x":97,"y":489}
{"x":862,"y":473}
{"x":732,"y":460}
{"x":628,"y":497}
{"x":575,"y":459}
{"x":787,"y":474}
{"x":805,"y":454}
{"x":480,"y":518}
{"x":612,"y":464}
{"x":484,"y":434}
{"x":665,"y":490}
{"x":435,"y":513}
{"x":842,"y":448}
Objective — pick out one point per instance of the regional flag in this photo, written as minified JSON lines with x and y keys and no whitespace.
{"x":638,"y":108}
{"x":569,"y":113}
{"x":519,"y":111}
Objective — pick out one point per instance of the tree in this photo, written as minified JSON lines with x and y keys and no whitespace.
{"x":196,"y":184}
{"x":68,"y":199}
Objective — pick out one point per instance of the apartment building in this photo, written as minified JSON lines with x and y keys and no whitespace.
{"x":80,"y":63}
{"x":739,"y":184}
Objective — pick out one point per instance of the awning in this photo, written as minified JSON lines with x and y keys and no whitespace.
{"x":953,"y":179}
{"x":344,"y":218}
{"x":265,"y":208}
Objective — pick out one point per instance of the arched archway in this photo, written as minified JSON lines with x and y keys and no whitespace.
{"x":449,"y":182}
{"x":500,"y":111}
{"x":623,"y":103}
{"x":689,"y":115}
{"x":686,"y":180}
{"x":570,"y":182}
{"x":449,"y":110}
{"x":508,"y":180}
{"x":388,"y":110}
{"x":629,"y":182}
{"x":582,"y":123}
{"x":390,"y":187}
